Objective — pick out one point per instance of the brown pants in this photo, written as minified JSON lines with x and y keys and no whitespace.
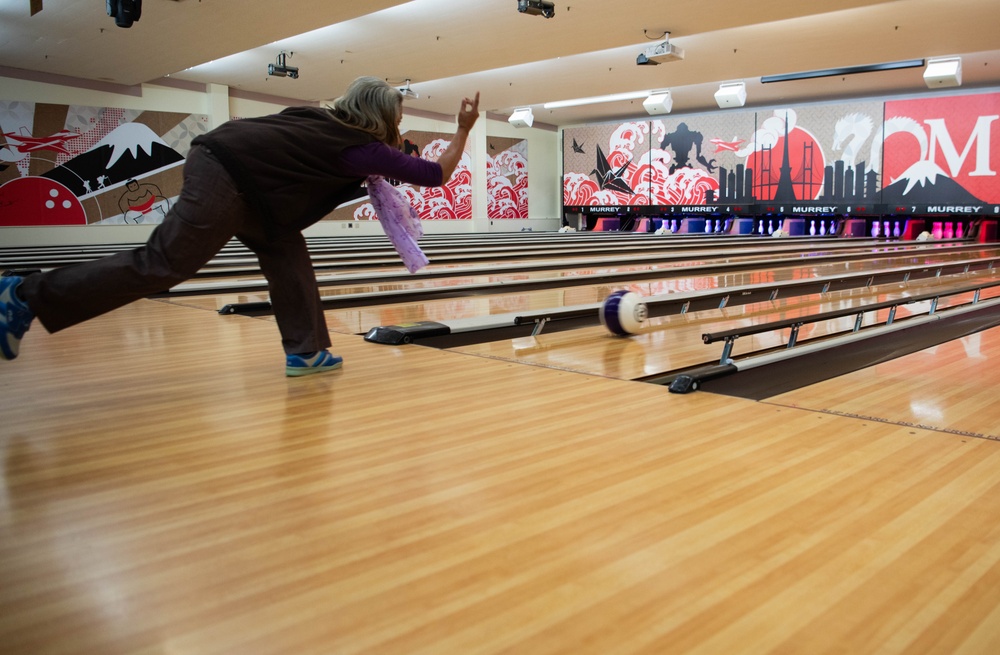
{"x":209,"y":212}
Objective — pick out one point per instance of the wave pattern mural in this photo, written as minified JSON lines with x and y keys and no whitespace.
{"x":924,"y":155}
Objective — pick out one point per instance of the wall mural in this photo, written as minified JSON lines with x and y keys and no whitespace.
{"x":920,"y":156}
{"x":75,"y":165}
{"x":506,"y":178}
{"x":453,"y":201}
{"x":816,"y":159}
{"x":940,"y":155}
{"x":606,"y":165}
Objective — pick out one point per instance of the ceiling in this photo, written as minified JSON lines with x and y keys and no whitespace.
{"x":450,"y":49}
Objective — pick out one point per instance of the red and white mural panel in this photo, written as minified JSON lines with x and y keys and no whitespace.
{"x":923,"y":155}
{"x":76,"y":165}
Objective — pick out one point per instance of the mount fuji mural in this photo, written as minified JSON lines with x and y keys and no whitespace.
{"x":132,"y":150}
{"x":77,"y":165}
{"x":925,"y":183}
{"x":938,"y":154}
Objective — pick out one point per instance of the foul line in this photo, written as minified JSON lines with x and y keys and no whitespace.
{"x":905,"y":424}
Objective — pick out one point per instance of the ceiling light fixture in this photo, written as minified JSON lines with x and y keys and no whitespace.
{"x":942,"y":72}
{"x":521,"y":117}
{"x":658,"y":102}
{"x":614,"y":97}
{"x":125,"y":12}
{"x":731,"y":94}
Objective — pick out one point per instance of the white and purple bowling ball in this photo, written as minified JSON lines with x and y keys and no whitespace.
{"x":623,"y":313}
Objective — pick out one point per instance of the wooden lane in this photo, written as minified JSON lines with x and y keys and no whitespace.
{"x":673,"y":343}
{"x":415,"y":299}
{"x":335,"y":252}
{"x":359,"y":320}
{"x":389,"y":267}
{"x":422,"y":501}
{"x":948,"y":387}
{"x":686,"y":279}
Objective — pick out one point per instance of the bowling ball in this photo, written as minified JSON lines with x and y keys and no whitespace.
{"x":623,"y":313}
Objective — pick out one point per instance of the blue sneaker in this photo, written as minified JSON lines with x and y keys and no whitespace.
{"x":15,"y":317}
{"x":296,"y":365}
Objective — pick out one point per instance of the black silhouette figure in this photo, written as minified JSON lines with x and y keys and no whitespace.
{"x":609,"y":179}
{"x":411,"y":148}
{"x":578,"y":147}
{"x":681,"y":141}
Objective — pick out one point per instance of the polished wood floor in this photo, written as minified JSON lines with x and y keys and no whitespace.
{"x":165,"y":489}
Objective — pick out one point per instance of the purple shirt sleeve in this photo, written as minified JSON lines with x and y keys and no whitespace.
{"x":377,"y":158}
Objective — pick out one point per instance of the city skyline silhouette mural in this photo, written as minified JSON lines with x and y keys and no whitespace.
{"x":923,"y":154}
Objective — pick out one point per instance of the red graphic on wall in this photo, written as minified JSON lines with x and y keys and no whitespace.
{"x":25,"y":143}
{"x":787,"y":162}
{"x":941,"y":150}
{"x":620,"y":176}
{"x":507,"y":181}
{"x":451,"y":201}
{"x":39,"y":201}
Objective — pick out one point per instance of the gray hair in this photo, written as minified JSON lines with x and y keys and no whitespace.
{"x":371,"y":105}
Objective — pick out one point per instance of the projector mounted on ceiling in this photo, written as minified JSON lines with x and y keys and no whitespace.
{"x":536,"y":8}
{"x":279,"y":69}
{"x":407,"y":91}
{"x":660,"y":53}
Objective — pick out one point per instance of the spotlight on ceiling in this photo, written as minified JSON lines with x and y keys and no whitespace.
{"x":279,"y":69}
{"x":658,"y":102}
{"x":942,"y":72}
{"x":536,"y":8}
{"x":521,"y":117}
{"x":125,"y":12}
{"x":731,"y":94}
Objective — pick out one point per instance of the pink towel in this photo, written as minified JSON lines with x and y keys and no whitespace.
{"x":399,"y":220}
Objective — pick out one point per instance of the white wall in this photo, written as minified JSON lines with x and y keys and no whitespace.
{"x":544,"y":152}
